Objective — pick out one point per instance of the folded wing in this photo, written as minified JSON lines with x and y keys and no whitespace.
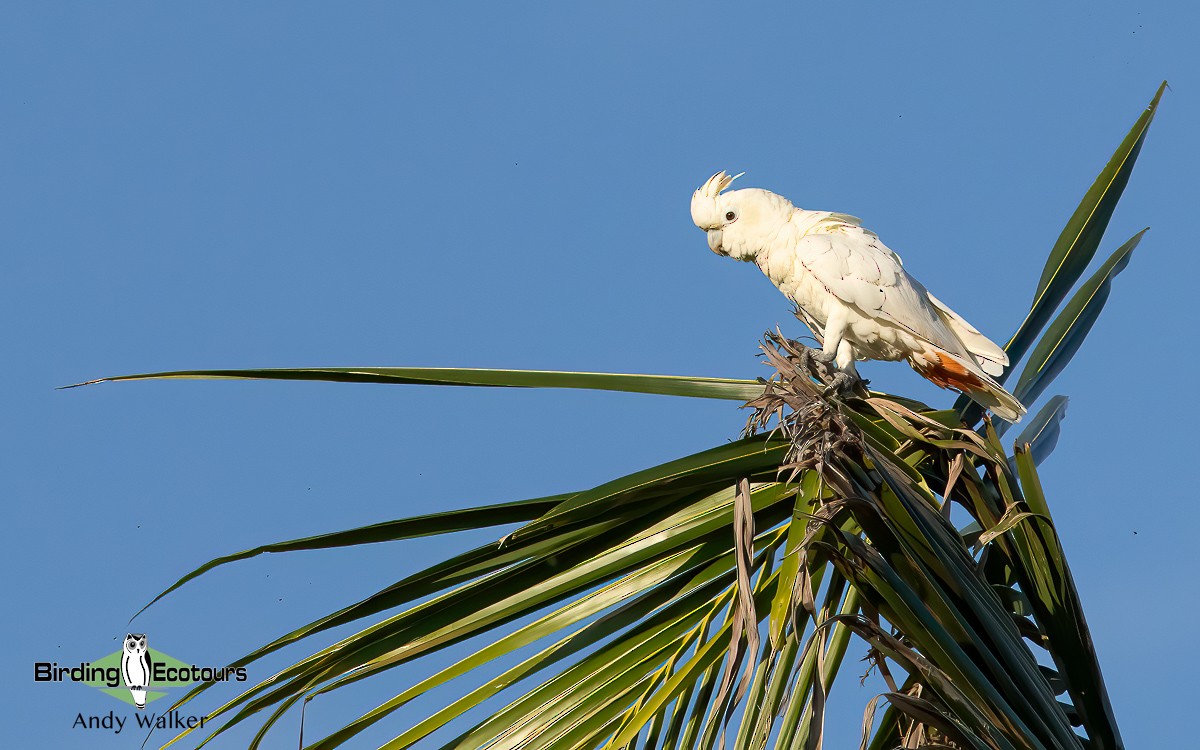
{"x":853,"y":265}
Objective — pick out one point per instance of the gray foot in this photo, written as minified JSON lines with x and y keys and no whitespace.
{"x":844,"y":383}
{"x":807,"y":356}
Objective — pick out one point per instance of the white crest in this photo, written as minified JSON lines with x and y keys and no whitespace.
{"x":704,"y":200}
{"x":717,"y":183}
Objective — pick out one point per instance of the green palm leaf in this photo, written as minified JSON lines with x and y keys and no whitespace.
{"x":1080,"y":238}
{"x":389,"y":531}
{"x":1043,"y":431}
{"x":1066,"y":334}
{"x":1076,"y":246}
{"x":667,"y":385}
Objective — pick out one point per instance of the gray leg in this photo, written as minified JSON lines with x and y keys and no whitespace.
{"x":847,"y":377}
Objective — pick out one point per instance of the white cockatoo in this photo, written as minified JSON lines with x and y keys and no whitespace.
{"x":852,"y":291}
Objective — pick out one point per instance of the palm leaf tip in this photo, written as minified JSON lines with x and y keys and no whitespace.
{"x":1081,"y":237}
{"x":1074,"y":250}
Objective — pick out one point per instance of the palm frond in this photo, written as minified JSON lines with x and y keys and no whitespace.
{"x":636,"y":609}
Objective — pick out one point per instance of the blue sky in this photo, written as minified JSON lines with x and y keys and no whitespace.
{"x":507,"y":185}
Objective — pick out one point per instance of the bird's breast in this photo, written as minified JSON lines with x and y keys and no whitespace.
{"x":788,"y":275}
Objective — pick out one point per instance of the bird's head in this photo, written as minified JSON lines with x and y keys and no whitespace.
{"x":739,"y":223}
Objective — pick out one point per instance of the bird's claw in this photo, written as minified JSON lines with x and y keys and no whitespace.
{"x":842,"y":384}
{"x":808,"y":356}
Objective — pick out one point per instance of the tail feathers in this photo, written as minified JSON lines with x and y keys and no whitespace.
{"x":991,"y":358}
{"x":1000,"y":402}
{"x":948,"y":371}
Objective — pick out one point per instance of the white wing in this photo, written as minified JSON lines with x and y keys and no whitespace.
{"x":854,"y":266}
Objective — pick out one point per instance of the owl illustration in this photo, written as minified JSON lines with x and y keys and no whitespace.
{"x":135,"y":667}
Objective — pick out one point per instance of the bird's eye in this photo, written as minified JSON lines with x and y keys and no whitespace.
{"x":730,"y":216}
